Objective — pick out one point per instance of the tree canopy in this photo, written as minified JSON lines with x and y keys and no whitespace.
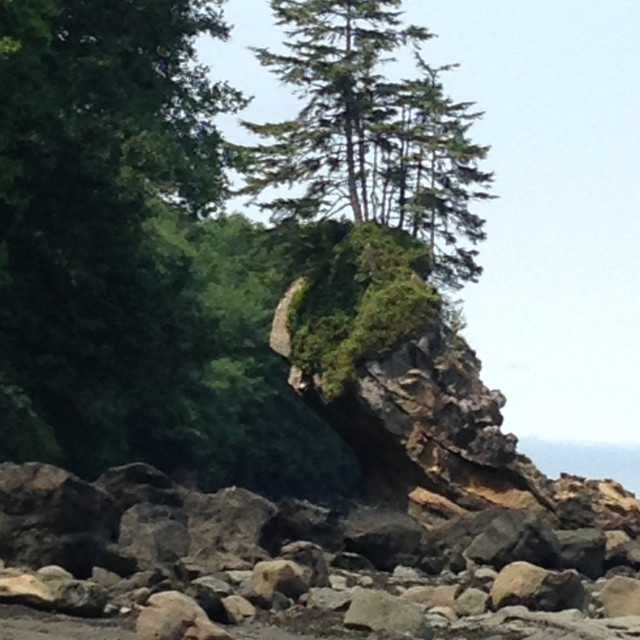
{"x":135,"y":312}
{"x":131,"y":326}
{"x":395,"y":152}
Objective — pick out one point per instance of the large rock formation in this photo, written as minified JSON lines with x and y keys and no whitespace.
{"x":427,"y":433}
{"x":50,"y":516}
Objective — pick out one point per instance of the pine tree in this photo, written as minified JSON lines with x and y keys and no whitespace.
{"x":395,"y":153}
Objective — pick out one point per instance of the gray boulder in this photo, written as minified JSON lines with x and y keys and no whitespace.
{"x":388,"y":538}
{"x":583,"y":550}
{"x":310,"y":555}
{"x":154,"y":534}
{"x":49,"y":516}
{"x":511,"y":537}
{"x":138,"y":482}
{"x":374,"y":610}
{"x":232,"y":521}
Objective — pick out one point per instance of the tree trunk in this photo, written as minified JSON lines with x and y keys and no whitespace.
{"x":349,"y":133}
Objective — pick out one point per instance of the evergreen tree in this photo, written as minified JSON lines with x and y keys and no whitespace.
{"x":104,"y":121}
{"x":396,"y":153}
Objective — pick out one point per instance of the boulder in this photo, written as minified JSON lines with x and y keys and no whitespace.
{"x":621,"y":553}
{"x":512,"y":536}
{"x":216,"y":585}
{"x":208,"y":599}
{"x":302,"y":520}
{"x":106,"y":578}
{"x":233,"y":521}
{"x":621,"y":597}
{"x":50,"y":516}
{"x":388,"y":538}
{"x":283,"y":576}
{"x":53,"y":588}
{"x":174,"y":616}
{"x":53,"y":573}
{"x":583,"y":550}
{"x":154,"y":534}
{"x":596,"y":504}
{"x":238,"y":609}
{"x":349,"y":561}
{"x":374,"y":610}
{"x":80,"y":598}
{"x":471,"y":602}
{"x":521,"y":583}
{"x":24,"y":588}
{"x":405,"y":575}
{"x":310,"y":555}
{"x":327,"y":599}
{"x":138,"y":482}
{"x":433,"y":596}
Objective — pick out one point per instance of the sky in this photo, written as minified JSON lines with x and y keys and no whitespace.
{"x":556,"y":314}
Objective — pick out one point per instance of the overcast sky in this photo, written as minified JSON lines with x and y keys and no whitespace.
{"x":556,"y":315}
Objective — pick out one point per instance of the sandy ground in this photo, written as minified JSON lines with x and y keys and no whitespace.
{"x":22,"y":623}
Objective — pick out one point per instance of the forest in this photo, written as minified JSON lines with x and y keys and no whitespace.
{"x":135,"y":305}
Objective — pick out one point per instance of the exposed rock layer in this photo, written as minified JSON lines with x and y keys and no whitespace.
{"x":427,"y":433}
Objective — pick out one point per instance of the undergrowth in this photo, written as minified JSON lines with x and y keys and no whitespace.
{"x":358,"y":301}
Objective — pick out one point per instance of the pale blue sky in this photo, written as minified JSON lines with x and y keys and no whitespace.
{"x":555,"y":316}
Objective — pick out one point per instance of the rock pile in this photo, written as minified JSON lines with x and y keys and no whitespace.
{"x":174,"y":563}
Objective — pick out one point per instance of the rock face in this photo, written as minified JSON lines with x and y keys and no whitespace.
{"x":154,"y":534}
{"x":232,"y":520}
{"x":423,"y":425}
{"x":512,"y":536}
{"x":50,"y":516}
{"x":138,"y":482}
{"x":426,"y":431}
{"x":388,"y":539}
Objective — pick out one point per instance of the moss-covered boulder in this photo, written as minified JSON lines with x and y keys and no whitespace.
{"x":371,"y":352}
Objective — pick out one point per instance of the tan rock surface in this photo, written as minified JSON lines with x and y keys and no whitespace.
{"x":284,"y":576}
{"x":621,"y":597}
{"x":238,"y":608}
{"x":25,"y":588}
{"x":517,"y":582}
{"x":171,"y":615}
{"x":433,"y":596}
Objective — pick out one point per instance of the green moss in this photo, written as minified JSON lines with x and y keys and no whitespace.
{"x":359,"y":302}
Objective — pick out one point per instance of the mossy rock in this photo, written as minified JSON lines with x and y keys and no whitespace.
{"x":359,"y":302}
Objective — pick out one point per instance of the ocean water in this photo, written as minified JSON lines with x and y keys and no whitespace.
{"x":620,"y":462}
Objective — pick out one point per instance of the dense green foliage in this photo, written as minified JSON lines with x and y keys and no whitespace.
{"x":358,"y":301}
{"x":134,"y":315}
{"x":128,"y":329}
{"x":395,"y":152}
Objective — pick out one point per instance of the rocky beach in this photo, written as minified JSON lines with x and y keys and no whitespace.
{"x":461,"y":536}
{"x":457,"y":534}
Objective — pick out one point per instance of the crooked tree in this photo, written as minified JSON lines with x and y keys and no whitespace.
{"x":395,"y":152}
